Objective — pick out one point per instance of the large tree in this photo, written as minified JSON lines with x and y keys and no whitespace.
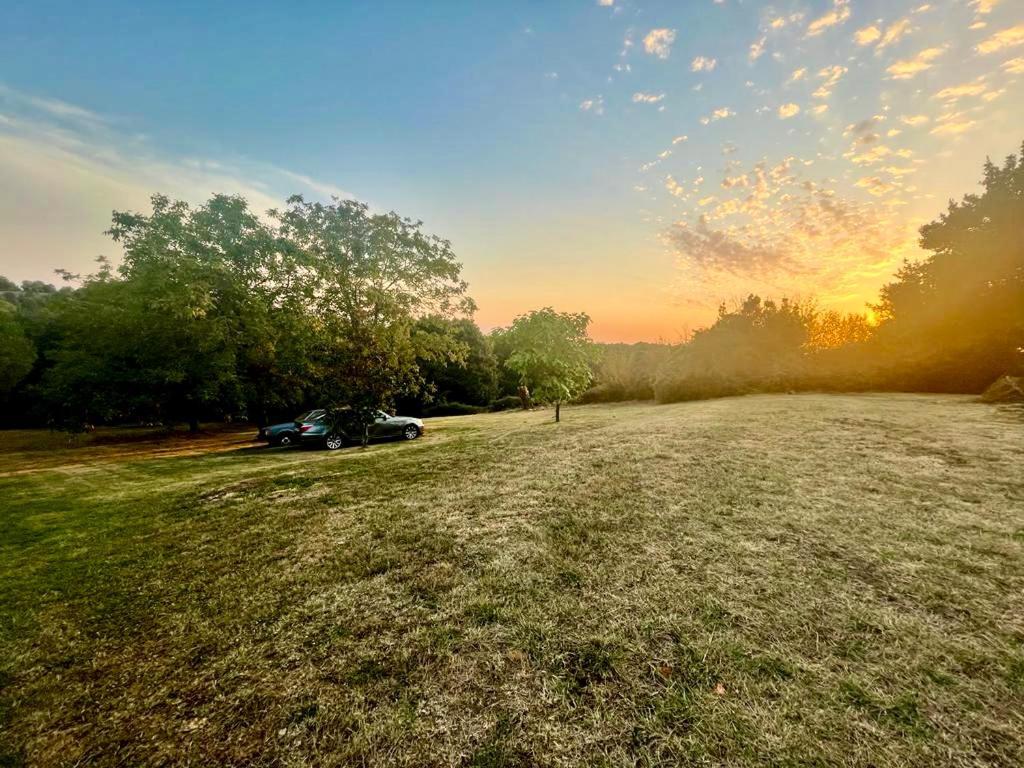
{"x":368,"y":276}
{"x":955,"y":320}
{"x":551,"y":354}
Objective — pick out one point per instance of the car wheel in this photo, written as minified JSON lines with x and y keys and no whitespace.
{"x":285,"y":441}
{"x":334,"y":442}
{"x":411,"y":432}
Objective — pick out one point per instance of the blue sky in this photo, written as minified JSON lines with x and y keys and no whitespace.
{"x":641,"y":161}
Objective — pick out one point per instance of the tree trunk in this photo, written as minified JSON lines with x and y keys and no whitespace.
{"x":193,"y":424}
{"x":524,"y":397}
{"x":558,"y":411}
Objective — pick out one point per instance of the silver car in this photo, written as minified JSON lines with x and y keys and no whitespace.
{"x":326,"y":431}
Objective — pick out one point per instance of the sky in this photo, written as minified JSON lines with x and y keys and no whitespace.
{"x":638,"y":160}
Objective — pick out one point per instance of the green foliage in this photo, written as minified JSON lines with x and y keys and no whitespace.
{"x":551,"y":354}
{"x":456,"y":362}
{"x":955,"y":320}
{"x":215,"y":312}
{"x":16,"y":351}
{"x":366,"y":277}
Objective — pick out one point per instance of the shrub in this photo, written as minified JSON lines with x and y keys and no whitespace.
{"x":454,"y":409}
{"x":506,"y":403}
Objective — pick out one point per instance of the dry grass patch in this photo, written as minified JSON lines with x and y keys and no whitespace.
{"x":772,"y":579}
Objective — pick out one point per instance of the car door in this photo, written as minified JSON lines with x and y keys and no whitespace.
{"x":380,"y":426}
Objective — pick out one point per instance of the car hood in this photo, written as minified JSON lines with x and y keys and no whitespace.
{"x":406,"y":420}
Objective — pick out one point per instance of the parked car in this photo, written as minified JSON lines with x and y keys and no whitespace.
{"x":330,"y":430}
{"x":287,"y":433}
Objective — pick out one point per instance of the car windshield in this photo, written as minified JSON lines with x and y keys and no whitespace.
{"x":382,"y":415}
{"x":310,"y":415}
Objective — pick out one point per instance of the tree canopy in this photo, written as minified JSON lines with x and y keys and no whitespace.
{"x":552,"y":354}
{"x":217,"y":311}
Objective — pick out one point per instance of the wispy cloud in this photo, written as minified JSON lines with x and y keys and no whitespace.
{"x":829,"y":76}
{"x":1006,"y":38}
{"x":641,"y":97}
{"x":789,"y":110}
{"x":74,"y":165}
{"x":702,"y":64}
{"x":594,"y":105}
{"x":908,"y":68}
{"x":840,"y":13}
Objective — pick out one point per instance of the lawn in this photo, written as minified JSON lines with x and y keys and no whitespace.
{"x":788,"y":580}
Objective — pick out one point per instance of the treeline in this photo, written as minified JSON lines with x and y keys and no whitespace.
{"x":218,"y":314}
{"x":215,"y":313}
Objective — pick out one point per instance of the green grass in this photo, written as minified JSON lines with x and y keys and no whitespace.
{"x":788,"y":580}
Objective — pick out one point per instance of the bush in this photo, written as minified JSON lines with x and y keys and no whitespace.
{"x":614,"y":393}
{"x":1005,"y":389}
{"x":454,"y":409}
{"x":700,"y":387}
{"x":506,"y":403}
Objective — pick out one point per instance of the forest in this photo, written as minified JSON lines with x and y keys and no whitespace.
{"x":216,"y":313}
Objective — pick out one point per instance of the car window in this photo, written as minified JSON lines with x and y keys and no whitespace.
{"x":381,"y":416}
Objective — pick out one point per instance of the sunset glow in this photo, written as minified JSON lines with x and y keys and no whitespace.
{"x":639,"y":161}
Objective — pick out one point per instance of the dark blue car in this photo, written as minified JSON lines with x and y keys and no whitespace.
{"x":287,"y":433}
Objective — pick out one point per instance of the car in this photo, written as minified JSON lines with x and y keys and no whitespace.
{"x":287,"y":432}
{"x":330,"y":431}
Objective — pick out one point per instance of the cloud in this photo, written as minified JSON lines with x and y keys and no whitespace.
{"x":595,"y":105}
{"x":65,"y":168}
{"x":1006,"y":38}
{"x":606,"y":3}
{"x":956,"y":92}
{"x":830,"y":76}
{"x":679,"y":139}
{"x":719,"y":114}
{"x":658,"y":42}
{"x":702,"y":64}
{"x":788,"y":110}
{"x":840,"y":12}
{"x":647,"y":98}
{"x":1014,"y":66}
{"x":820,"y":109}
{"x":756,"y":50}
{"x":984,"y":6}
{"x":914,"y":120}
{"x":894,"y":33}
{"x":767,"y":230}
{"x":908,"y":68}
{"x":798,"y":74}
{"x":325,"y":189}
{"x":51,"y":108}
{"x":867,"y":35}
{"x":876,"y":186}
{"x":952,"y":124}
{"x":718,"y":250}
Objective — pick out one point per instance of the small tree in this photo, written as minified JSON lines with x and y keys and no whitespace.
{"x":551,"y":354}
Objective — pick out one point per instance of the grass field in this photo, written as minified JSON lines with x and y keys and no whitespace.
{"x":787,"y":580}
